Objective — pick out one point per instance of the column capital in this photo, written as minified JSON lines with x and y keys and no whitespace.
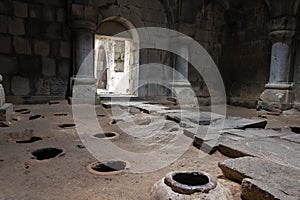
{"x":282,"y":36}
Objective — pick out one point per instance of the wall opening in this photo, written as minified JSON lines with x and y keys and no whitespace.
{"x":116,"y":57}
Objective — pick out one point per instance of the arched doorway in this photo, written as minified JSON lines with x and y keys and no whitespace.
{"x":116,"y":57}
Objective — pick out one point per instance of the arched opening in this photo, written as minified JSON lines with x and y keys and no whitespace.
{"x":116,"y":57}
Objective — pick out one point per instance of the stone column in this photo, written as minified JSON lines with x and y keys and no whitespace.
{"x":182,"y":65}
{"x":279,"y":94}
{"x":6,"y":109}
{"x":2,"y":94}
{"x":83,"y":81}
{"x":180,"y":84}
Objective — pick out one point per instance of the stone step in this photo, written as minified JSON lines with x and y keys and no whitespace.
{"x":263,"y":179}
{"x":273,"y":149}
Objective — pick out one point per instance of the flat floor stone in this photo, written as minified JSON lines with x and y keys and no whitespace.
{"x":275,"y":180}
{"x":273,"y":149}
{"x":239,"y":123}
{"x":254,"y":133}
{"x":292,"y":138}
{"x":199,"y":118}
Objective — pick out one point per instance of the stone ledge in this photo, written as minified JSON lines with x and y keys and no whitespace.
{"x":262,"y":178}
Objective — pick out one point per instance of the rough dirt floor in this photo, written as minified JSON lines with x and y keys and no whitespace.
{"x":66,"y":177}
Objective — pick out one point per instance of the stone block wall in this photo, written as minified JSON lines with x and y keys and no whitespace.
{"x":247,"y":52}
{"x":35,"y":50}
{"x":208,"y":29}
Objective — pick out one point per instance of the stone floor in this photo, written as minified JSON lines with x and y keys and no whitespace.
{"x":267,"y":138}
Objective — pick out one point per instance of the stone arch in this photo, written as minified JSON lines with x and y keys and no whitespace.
{"x":120,"y":13}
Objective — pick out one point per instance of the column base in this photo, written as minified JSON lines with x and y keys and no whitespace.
{"x":83,"y":91}
{"x":6,"y":111}
{"x":277,"y":99}
{"x":183,"y":92}
{"x":297,"y":105}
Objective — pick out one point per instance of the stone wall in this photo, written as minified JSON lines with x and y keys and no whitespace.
{"x":247,"y":53}
{"x":35,"y":48}
{"x":207,"y":26}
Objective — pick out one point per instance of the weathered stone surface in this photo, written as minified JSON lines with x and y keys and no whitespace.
{"x":148,"y":108}
{"x":20,"y":9}
{"x":43,"y":87}
{"x":239,"y":123}
{"x":30,"y":65}
{"x":16,"y":26}
{"x":5,"y":46}
{"x":84,"y":94}
{"x":63,"y":68}
{"x":8,"y":65}
{"x":254,"y":189}
{"x":58,"y":86}
{"x":292,"y":137}
{"x":41,"y":47}
{"x":53,"y":30}
{"x":60,"y":15}
{"x":161,"y":191}
{"x":272,"y":177}
{"x":22,"y":46}
{"x":20,"y":86}
{"x":6,"y":7}
{"x":254,"y":133}
{"x":273,"y":149}
{"x":35,"y":11}
{"x":49,"y":66}
{"x":65,"y":49}
{"x":200,"y":118}
{"x":49,"y":13}
{"x":4,"y":24}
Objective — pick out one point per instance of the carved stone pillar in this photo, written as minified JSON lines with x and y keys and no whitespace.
{"x":180,"y":84}
{"x":6,"y":109}
{"x":279,"y":93}
{"x":83,"y":24}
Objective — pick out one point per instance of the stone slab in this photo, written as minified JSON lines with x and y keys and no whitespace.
{"x":271,"y":179}
{"x":273,"y":149}
{"x":254,"y":133}
{"x":124,"y":104}
{"x":254,"y":189}
{"x":6,"y":112}
{"x":239,"y":123}
{"x":292,"y":138}
{"x":200,"y":118}
{"x":151,"y":109}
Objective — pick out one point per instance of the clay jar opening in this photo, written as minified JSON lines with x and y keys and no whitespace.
{"x":190,"y":182}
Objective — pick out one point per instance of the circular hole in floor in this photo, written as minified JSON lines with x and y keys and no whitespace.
{"x":107,"y":135}
{"x":60,"y":114}
{"x":108,"y":167}
{"x":47,"y":153}
{"x":23,"y":111}
{"x":66,"y":125}
{"x":35,"y":117}
{"x":31,"y":140}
